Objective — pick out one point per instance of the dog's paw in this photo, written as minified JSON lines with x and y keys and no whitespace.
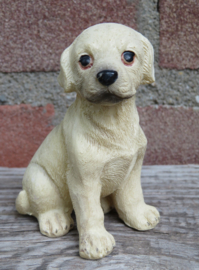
{"x":95,"y":244}
{"x":55,"y":223}
{"x":143,"y":217}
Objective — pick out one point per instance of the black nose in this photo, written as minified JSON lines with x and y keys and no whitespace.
{"x":107,"y":77}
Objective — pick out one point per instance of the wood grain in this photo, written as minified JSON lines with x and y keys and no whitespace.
{"x":173,"y":244}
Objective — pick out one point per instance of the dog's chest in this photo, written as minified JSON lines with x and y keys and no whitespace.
{"x":119,"y":154}
{"x":114,"y":172}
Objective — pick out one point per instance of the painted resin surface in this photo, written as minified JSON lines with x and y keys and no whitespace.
{"x":92,"y":161}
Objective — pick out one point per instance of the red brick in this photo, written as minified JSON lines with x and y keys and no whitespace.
{"x":22,"y":130}
{"x":179,"y":34}
{"x":172,"y":135}
{"x":33,"y":34}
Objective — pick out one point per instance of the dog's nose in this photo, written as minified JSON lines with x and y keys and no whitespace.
{"x":107,"y":77}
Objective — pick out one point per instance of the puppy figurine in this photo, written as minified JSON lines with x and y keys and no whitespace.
{"x":92,"y":161}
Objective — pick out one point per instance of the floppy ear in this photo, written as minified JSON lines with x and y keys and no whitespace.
{"x":65,"y":78}
{"x":148,"y":67}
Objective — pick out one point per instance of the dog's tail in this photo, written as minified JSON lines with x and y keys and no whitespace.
{"x":22,"y":203}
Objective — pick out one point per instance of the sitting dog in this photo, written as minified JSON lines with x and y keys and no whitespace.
{"x":92,"y":161}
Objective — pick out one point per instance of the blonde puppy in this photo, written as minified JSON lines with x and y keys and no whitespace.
{"x":93,"y":159}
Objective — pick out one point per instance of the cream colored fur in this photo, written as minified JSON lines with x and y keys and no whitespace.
{"x":96,"y":153}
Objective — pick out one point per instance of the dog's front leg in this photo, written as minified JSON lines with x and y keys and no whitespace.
{"x":94,"y":241}
{"x":129,"y":201}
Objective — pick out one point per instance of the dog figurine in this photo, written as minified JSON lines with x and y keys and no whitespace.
{"x":92,"y":161}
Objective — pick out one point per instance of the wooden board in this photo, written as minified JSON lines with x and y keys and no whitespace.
{"x":173,"y":244}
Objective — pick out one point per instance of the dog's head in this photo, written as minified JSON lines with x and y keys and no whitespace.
{"x":106,"y":63}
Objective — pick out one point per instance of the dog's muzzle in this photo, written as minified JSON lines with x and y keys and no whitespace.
{"x":107,"y":77}
{"x":106,"y":97}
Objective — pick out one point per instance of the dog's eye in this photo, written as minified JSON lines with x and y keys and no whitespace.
{"x":85,"y":61}
{"x":128,"y":57}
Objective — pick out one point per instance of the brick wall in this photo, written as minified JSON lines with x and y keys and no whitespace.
{"x":34,"y":33}
{"x":179,"y":34}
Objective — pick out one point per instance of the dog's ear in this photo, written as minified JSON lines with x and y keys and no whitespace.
{"x":148,"y":67}
{"x":65,"y":78}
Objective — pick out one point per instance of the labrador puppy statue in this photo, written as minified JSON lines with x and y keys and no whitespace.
{"x":92,"y":161}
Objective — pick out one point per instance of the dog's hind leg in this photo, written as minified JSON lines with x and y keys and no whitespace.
{"x":41,"y":198}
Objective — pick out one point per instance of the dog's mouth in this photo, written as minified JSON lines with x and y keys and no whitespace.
{"x":107,"y":97}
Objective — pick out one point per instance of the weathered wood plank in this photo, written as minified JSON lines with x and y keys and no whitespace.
{"x":173,"y":244}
